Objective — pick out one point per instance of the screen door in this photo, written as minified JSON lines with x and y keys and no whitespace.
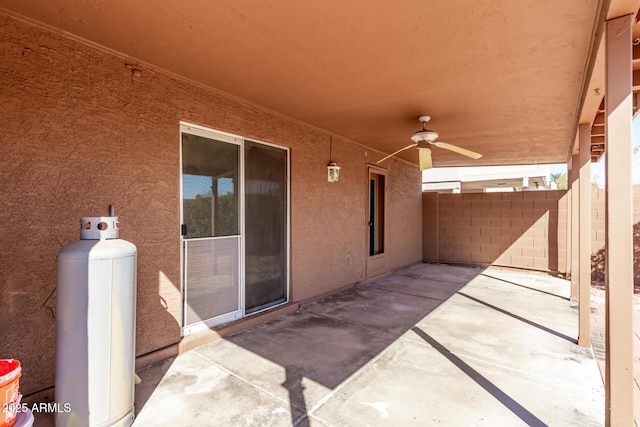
{"x":211,"y":234}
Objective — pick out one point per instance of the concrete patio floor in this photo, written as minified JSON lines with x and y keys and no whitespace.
{"x":429,"y":345}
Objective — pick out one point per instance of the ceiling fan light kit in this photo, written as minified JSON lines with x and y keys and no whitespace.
{"x":424,"y":139}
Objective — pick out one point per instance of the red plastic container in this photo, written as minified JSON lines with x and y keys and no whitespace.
{"x":10,"y":372}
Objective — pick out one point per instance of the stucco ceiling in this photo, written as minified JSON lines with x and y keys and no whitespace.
{"x":500,"y":77}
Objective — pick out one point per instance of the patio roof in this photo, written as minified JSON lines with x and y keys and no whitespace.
{"x":506,"y":79}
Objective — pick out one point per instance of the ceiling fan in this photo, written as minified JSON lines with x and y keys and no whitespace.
{"x":423,"y":139}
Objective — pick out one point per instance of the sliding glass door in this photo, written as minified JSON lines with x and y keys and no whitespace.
{"x":234,"y":227}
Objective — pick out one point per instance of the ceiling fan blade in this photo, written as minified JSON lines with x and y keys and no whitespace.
{"x":458,"y":150}
{"x":425,"y":158}
{"x":393,"y":154}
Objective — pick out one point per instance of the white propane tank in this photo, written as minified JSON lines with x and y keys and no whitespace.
{"x":96,"y":317}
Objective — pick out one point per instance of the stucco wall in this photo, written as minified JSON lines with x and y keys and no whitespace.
{"x":84,"y":128}
{"x":519,"y":229}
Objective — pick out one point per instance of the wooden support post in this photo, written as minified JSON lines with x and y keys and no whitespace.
{"x":568,"y":266}
{"x":619,"y":223}
{"x":584,"y":255}
{"x":575,"y":227}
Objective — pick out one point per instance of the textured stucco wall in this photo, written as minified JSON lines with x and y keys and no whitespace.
{"x":404,"y":193}
{"x":83,"y":128}
{"x":519,"y":229}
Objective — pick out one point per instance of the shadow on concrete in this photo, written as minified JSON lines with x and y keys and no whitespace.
{"x":483,"y":382}
{"x":520,"y":318}
{"x":151,"y":377}
{"x":524,"y":286}
{"x":329,"y":341}
{"x":359,"y":358}
{"x":293,"y":383}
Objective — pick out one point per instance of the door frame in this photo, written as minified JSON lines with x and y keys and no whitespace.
{"x":376,"y":264}
{"x":206,"y":132}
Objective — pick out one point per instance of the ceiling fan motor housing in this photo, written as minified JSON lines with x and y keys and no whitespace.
{"x":424,"y":135}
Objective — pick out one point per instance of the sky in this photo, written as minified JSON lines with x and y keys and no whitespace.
{"x":597,"y":169}
{"x":193,"y":185}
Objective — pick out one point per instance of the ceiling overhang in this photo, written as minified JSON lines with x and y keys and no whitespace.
{"x":593,"y":106}
{"x":505,"y":79}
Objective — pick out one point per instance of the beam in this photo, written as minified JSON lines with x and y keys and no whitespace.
{"x":592,"y":80}
{"x":621,"y":8}
{"x":584,"y":237}
{"x":619,"y":224}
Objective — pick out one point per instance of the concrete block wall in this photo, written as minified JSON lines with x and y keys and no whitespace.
{"x":523,"y":230}
{"x":430,"y":226}
{"x":519,"y":229}
{"x":598,"y":232}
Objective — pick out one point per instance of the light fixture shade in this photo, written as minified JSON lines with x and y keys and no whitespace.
{"x":333,"y":172}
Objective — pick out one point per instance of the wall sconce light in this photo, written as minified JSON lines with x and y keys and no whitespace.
{"x":333,"y":170}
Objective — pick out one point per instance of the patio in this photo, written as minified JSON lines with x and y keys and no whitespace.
{"x":103,"y":92}
{"x":431,"y":344}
